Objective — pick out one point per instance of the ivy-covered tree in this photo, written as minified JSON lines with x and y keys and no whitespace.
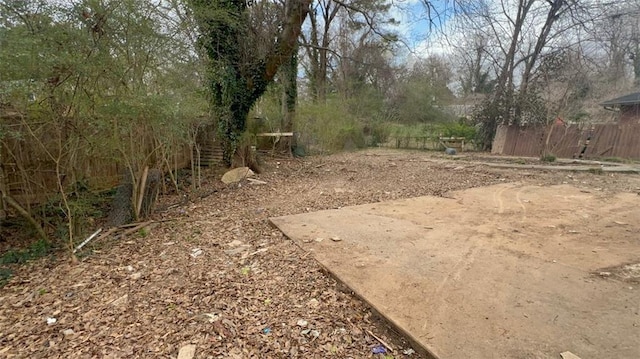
{"x":243,"y":59}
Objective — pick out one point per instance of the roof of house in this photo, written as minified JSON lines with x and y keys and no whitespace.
{"x":630,"y":99}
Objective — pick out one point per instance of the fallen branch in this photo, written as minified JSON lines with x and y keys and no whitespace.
{"x":381,"y":341}
{"x":24,"y":213}
{"x":134,"y":229}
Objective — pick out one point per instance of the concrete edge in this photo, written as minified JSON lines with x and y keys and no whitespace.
{"x":614,"y":169}
{"x":415,"y":343}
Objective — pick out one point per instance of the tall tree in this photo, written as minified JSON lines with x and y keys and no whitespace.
{"x":241,"y":63}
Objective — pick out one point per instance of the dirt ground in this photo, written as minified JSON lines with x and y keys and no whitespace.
{"x":216,"y":274}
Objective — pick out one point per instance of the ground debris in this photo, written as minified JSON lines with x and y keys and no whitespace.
{"x":272,"y":288}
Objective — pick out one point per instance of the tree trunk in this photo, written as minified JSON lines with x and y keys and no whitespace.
{"x":240,"y":78}
{"x":289,"y":98}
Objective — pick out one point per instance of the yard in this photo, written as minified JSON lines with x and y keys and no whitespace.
{"x":215,"y":273}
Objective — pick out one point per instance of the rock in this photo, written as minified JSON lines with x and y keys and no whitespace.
{"x":336,"y":239}
{"x":187,"y":352}
{"x":237,"y":175}
{"x":450,"y":151}
{"x":313,"y":303}
{"x":136,"y":276}
{"x":68,"y":332}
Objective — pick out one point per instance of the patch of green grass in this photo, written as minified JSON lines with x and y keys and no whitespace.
{"x":36,"y":250}
{"x":548,"y":158}
{"x":143,"y":232}
{"x":5,"y":275}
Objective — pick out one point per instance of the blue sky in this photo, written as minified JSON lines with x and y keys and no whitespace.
{"x":417,"y":30}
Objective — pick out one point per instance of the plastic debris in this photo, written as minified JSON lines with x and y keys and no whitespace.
{"x":196,"y":252}
{"x":450,"y":151}
{"x":266,"y":330}
{"x":408,"y":351}
{"x":302,"y":323}
{"x":51,"y":321}
{"x":379,"y":349}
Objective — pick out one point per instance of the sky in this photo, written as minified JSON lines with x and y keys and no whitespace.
{"x":419,"y":33}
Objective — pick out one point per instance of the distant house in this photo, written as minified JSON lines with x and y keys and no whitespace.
{"x":628,"y":107}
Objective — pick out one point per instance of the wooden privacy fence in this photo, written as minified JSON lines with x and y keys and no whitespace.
{"x":29,"y":174}
{"x":567,"y":141}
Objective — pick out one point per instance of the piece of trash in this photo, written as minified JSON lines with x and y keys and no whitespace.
{"x":302,"y":323}
{"x":450,"y":151}
{"x":379,"y":349}
{"x":266,"y":330}
{"x":315,"y":333}
{"x":408,"y":351}
{"x":245,"y":270}
{"x":620,"y":223}
{"x":605,"y":274}
{"x":129,"y":268}
{"x":336,"y":239}
{"x":51,"y":321}
{"x":136,"y":276}
{"x":196,"y":252}
{"x":305,"y":332}
{"x":319,"y":239}
{"x":313,"y":303}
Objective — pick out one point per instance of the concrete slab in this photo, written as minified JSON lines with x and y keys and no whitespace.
{"x":508,"y":271}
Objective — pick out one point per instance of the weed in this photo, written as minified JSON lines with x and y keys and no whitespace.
{"x":5,"y":275}
{"x":596,"y":170}
{"x":548,"y":158}
{"x":35,"y":250}
{"x":521,"y":161}
{"x":143,"y":232}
